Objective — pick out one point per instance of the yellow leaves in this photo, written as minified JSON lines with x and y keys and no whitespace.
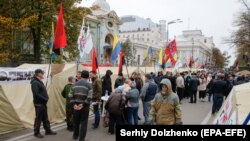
{"x":4,"y":57}
{"x":14,"y":24}
{"x":7,"y":23}
{"x":25,"y":22}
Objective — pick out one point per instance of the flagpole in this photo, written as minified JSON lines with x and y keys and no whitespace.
{"x":127,"y":69}
{"x":48,"y":71}
{"x":77,"y":63}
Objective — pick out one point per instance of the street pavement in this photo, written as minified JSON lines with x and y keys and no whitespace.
{"x":191,"y":113}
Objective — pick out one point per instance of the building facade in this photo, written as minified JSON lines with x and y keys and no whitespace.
{"x":104,"y":25}
{"x":143,"y":33}
{"x":194,"y":43}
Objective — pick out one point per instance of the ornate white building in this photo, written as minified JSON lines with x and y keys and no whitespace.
{"x":193,"y":42}
{"x":104,"y":25}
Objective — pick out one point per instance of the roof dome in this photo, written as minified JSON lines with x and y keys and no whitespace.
{"x":104,"y":6}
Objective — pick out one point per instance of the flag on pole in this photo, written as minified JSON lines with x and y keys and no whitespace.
{"x":89,"y":42}
{"x":52,"y":54}
{"x":60,"y":35}
{"x":94,"y":60}
{"x":191,"y":62}
{"x":116,"y":49}
{"x":178,"y":64}
{"x":81,"y":39}
{"x":148,"y":52}
{"x":171,"y":52}
{"x":122,"y":61}
{"x":160,"y":57}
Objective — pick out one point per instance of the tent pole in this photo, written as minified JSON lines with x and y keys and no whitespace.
{"x":48,"y":71}
{"x":154,"y":67}
{"x":99,"y":72}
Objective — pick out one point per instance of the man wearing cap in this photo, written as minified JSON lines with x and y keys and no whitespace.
{"x":40,"y":99}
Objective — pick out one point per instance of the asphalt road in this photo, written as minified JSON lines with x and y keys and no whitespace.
{"x":192,"y":114}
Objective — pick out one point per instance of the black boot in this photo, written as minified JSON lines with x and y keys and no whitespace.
{"x":38,"y":135}
{"x":50,"y":132}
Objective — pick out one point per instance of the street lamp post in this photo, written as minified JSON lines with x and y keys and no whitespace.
{"x":172,"y":22}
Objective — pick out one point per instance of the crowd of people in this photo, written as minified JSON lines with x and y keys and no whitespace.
{"x":161,"y":96}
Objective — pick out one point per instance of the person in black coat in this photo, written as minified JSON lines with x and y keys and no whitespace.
{"x":40,"y":99}
{"x":119,"y":81}
{"x":107,"y":83}
{"x":219,"y":90}
{"x":194,"y":83}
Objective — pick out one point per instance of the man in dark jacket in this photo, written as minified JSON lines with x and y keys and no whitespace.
{"x":107,"y":83}
{"x":148,"y":93}
{"x":119,"y":81}
{"x":194,"y":83}
{"x":97,"y":93}
{"x":40,"y":99}
{"x":219,"y":90}
{"x":80,"y":99}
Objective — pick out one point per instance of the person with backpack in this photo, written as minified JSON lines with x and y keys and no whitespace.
{"x":148,"y":93}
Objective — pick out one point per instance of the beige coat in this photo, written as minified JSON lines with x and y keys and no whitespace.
{"x":166,"y":109}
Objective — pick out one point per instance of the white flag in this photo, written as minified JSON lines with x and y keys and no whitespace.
{"x":89,"y":43}
{"x":178,"y":64}
{"x":81,"y":40}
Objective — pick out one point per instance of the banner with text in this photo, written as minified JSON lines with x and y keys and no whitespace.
{"x":18,"y":75}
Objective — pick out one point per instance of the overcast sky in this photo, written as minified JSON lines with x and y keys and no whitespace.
{"x":214,"y":17}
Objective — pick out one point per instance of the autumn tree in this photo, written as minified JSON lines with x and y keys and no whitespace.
{"x":129,"y":51}
{"x":219,"y":59}
{"x":34,"y":17}
{"x":241,"y":37}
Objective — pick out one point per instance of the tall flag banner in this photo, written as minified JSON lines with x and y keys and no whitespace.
{"x":89,"y":42}
{"x":60,"y":35}
{"x":191,"y":62}
{"x":147,"y":55}
{"x":122,"y":61}
{"x":52,"y":54}
{"x":178,"y":64}
{"x":171,"y":52}
{"x":116,"y":49}
{"x":81,"y":39}
{"x":148,"y":52}
{"x":94,"y":60}
{"x":160,"y":62}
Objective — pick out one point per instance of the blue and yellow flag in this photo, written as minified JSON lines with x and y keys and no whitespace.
{"x":160,"y":62}
{"x":52,"y":54}
{"x":116,"y":49}
{"x":148,"y":52}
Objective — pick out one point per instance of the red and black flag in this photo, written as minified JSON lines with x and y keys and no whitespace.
{"x":122,"y":61}
{"x":94,"y":60}
{"x":60,"y":40}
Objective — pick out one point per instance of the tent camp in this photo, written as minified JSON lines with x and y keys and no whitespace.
{"x":16,"y":101}
{"x":235,"y":109}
